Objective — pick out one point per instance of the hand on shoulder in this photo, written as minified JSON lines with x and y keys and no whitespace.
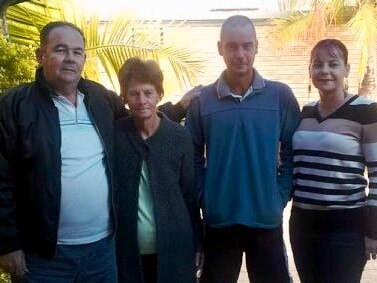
{"x":189,"y":96}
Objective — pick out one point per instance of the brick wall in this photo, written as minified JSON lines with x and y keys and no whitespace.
{"x":288,"y":64}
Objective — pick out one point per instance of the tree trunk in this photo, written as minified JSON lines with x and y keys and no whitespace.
{"x":368,"y":85}
{"x":4,"y":28}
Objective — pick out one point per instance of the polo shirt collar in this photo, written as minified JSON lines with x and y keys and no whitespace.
{"x":223,"y":89}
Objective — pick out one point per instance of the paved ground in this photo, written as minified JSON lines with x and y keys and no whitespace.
{"x":369,"y":274}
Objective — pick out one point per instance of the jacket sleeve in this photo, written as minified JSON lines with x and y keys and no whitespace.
{"x":174,"y":112}
{"x":119,"y":109}
{"x":9,"y":240}
{"x":289,"y":120}
{"x":194,"y":125}
{"x":187,"y":183}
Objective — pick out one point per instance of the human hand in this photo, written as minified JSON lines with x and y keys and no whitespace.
{"x":370,"y":248}
{"x":14,"y":263}
{"x":189,"y":96}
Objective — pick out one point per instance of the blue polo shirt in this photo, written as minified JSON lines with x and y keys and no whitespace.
{"x":243,"y":152}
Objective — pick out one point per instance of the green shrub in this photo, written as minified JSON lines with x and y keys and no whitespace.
{"x":17,"y":65}
{"x":4,"y":278}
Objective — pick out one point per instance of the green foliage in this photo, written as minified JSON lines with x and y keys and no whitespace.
{"x":17,"y":64}
{"x":4,"y":278}
{"x":108,"y":43}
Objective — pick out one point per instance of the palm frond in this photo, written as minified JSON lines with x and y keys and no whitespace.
{"x":293,"y":5}
{"x":108,"y":43}
{"x":364,"y":27}
{"x":298,"y":26}
{"x":317,"y":27}
{"x":122,"y":38}
{"x":339,"y":12}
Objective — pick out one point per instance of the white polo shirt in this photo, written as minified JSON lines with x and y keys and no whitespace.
{"x":85,"y":205}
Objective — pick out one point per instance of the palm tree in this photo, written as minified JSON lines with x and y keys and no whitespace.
{"x":4,"y":4}
{"x":311,"y":19}
{"x":109,"y":43}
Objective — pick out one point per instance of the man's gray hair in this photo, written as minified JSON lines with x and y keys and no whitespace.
{"x":46,"y":30}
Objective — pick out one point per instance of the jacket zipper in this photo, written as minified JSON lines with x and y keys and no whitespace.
{"x":111,"y":187}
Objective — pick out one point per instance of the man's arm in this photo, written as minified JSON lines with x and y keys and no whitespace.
{"x":11,"y":256}
{"x":176,"y":112}
{"x":290,"y":119}
{"x":117,"y":105}
{"x":194,"y":125}
{"x":8,"y":224}
{"x":187,"y":183}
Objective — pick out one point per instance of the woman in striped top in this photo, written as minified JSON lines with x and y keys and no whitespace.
{"x":333,"y":225}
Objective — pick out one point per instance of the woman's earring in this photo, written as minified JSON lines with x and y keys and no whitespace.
{"x":309,"y":88}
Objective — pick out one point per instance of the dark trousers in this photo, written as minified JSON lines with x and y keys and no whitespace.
{"x":149,"y":266}
{"x":93,"y":262}
{"x":266,"y":260}
{"x":327,"y":256}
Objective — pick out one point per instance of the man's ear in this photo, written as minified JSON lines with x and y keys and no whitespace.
{"x":256,"y":47}
{"x":219,"y":48}
{"x":39,"y":55}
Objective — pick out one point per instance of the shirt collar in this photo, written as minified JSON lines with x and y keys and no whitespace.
{"x":223,"y":89}
{"x":63,"y":99}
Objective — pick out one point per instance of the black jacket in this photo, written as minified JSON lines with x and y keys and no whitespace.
{"x":30,"y":161}
{"x":168,"y":154}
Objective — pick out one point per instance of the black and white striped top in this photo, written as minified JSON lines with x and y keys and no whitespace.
{"x":331,"y":155}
